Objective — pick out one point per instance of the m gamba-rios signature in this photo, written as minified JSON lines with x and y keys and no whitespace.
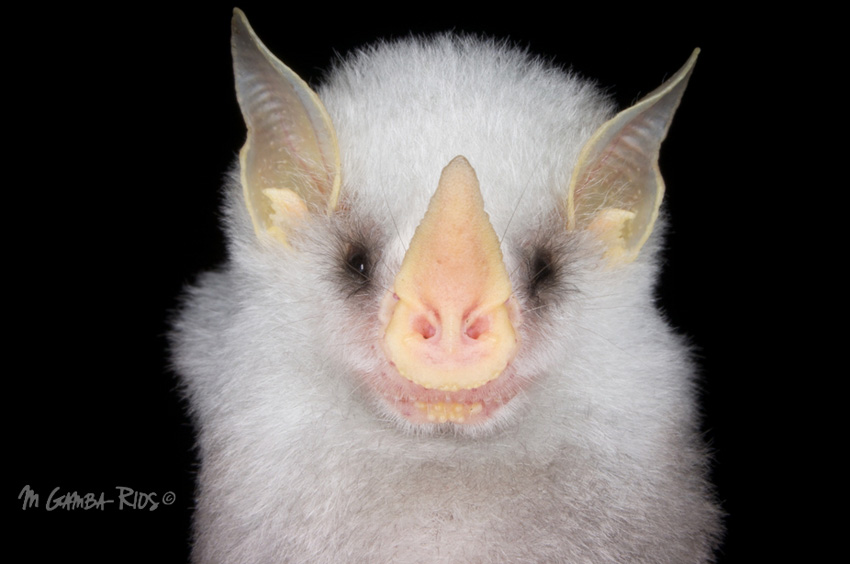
{"x":123,"y":498}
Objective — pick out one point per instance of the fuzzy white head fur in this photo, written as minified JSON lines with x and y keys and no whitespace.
{"x":596,"y":455}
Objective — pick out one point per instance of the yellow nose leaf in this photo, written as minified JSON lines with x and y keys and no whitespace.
{"x":450,"y":326}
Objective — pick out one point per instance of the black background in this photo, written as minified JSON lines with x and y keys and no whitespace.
{"x":122,"y":124}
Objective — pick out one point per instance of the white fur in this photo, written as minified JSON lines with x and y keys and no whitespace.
{"x":598,"y":461}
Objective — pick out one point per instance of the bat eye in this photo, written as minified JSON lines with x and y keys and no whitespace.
{"x":541,"y":272}
{"x":358,"y":264}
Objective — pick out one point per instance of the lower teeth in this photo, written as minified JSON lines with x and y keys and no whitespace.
{"x":440,"y":412}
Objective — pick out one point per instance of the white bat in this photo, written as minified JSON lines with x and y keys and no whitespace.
{"x":434,"y":339}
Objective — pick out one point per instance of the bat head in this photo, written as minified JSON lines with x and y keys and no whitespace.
{"x":443,"y":295}
{"x":435,"y":338}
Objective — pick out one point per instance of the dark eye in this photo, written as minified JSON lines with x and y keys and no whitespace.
{"x":356,"y":261}
{"x":358,"y":265}
{"x":541,"y":272}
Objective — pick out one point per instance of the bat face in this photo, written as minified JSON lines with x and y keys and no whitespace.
{"x":435,"y":338}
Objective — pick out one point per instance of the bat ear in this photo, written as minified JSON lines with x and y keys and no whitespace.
{"x":290,"y":162}
{"x":616,"y":187}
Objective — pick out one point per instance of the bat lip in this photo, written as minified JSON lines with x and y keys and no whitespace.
{"x":423,"y":406}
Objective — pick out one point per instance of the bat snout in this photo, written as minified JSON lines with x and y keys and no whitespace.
{"x":450,"y":321}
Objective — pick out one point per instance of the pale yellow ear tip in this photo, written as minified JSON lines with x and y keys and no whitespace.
{"x":239,"y":25}
{"x":239,"y":19}
{"x":693,"y":58}
{"x":686,"y":69}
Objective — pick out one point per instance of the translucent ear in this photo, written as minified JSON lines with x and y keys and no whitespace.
{"x":290,"y":161}
{"x":616,"y":188}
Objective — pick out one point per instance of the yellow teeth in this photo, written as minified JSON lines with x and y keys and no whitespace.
{"x":441,"y":412}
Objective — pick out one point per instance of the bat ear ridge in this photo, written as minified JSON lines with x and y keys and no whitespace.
{"x":616,"y":188}
{"x":290,"y":162}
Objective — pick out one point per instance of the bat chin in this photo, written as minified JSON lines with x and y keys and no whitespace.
{"x":424,"y":408}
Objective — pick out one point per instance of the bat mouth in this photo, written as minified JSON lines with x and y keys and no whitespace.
{"x":422,"y":406}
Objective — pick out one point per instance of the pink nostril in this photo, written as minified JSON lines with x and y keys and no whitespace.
{"x":424,"y":327}
{"x":427,"y":325}
{"x":477,"y":327}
